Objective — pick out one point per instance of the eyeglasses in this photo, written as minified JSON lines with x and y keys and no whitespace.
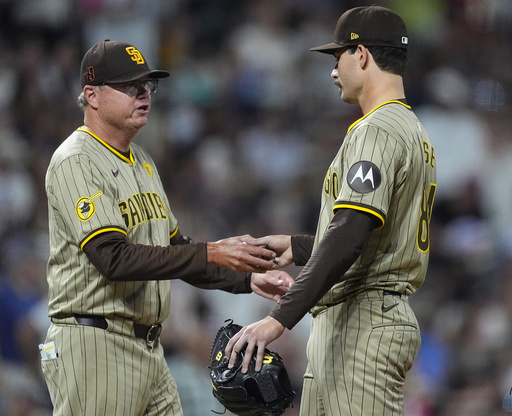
{"x":135,"y":88}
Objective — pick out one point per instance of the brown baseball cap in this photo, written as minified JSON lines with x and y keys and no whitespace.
{"x":368,"y":26}
{"x":112,"y":61}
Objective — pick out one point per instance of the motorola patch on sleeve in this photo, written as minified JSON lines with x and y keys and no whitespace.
{"x":364,"y":177}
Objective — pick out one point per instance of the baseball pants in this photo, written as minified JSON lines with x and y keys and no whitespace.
{"x":98,"y":372}
{"x":359,"y":352}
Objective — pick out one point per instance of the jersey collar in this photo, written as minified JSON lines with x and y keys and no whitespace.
{"x":402,"y":102}
{"x":129,"y":159}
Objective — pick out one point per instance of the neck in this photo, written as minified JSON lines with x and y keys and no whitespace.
{"x":381,"y":89}
{"x":119,"y":139}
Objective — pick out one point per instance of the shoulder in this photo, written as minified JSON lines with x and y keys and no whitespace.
{"x":75,"y":145}
{"x":392,"y":119}
{"x":389,"y":114}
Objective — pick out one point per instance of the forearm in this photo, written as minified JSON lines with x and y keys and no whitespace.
{"x":221,"y":279}
{"x":339,"y":248}
{"x":119,"y":260}
{"x":302,"y":247}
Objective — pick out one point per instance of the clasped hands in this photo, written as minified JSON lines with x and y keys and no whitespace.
{"x":259,"y":256}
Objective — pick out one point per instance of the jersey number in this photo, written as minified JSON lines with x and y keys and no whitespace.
{"x":427,"y":202}
{"x":332,"y":184}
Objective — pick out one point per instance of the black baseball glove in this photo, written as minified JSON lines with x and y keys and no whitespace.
{"x":255,"y":393}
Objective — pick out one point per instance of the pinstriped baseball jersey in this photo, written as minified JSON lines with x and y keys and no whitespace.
{"x":92,"y":188}
{"x":386,"y":167}
{"x":363,"y":340}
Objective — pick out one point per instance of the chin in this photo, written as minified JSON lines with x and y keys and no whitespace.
{"x":141,"y":121}
{"x":347,"y":99}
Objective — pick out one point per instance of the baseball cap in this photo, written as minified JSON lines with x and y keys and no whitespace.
{"x":112,"y":61}
{"x":368,"y":26}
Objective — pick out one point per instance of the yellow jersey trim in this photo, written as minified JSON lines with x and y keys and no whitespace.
{"x":359,"y":208}
{"x":113,"y":150}
{"x":103,"y":230}
{"x":174,"y":233}
{"x":380,"y":105}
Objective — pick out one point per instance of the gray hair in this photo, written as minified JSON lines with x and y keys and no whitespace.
{"x":82,"y":101}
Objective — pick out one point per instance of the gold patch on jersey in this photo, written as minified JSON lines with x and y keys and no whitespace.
{"x":85,"y":207}
{"x":149,"y":169}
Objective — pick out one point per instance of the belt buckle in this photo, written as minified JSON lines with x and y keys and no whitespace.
{"x":153,"y":334}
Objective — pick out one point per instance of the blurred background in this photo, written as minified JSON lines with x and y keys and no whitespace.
{"x":243,"y":132}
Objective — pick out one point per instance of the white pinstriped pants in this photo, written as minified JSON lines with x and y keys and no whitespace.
{"x":98,"y":372}
{"x":359,"y":352}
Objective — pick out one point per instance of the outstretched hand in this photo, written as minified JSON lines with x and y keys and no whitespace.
{"x":236,"y":254}
{"x":258,"y":334}
{"x":272,"y":284}
{"x":281,"y":245}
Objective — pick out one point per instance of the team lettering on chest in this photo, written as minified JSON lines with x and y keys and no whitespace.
{"x":142,"y":207}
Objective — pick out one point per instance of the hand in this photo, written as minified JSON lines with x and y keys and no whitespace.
{"x":272,"y":284}
{"x":279,"y":244}
{"x":239,"y":239}
{"x":258,"y":334}
{"x":235,"y":254}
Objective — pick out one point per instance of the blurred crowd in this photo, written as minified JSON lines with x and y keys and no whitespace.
{"x":243,"y":132}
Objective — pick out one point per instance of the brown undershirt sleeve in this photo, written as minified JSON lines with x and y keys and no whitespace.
{"x":339,"y":248}
{"x":302,"y":246}
{"x":119,"y":260}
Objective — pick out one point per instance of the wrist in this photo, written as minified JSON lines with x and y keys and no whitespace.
{"x":211,"y":252}
{"x":248,"y":282}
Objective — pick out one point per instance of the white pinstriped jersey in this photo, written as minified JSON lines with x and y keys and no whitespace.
{"x":91,"y":189}
{"x":386,"y":167}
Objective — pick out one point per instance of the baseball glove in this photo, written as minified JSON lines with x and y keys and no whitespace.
{"x":255,"y":393}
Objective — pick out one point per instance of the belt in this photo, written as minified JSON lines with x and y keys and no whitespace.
{"x":318,"y":309}
{"x":149,"y":333}
{"x":391,"y":293}
{"x":384,"y":293}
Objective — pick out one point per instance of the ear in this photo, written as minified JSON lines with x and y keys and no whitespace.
{"x":363,"y":55}
{"x":91,"y":96}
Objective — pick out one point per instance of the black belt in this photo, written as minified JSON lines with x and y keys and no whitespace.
{"x":384,"y":292}
{"x":149,"y":333}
